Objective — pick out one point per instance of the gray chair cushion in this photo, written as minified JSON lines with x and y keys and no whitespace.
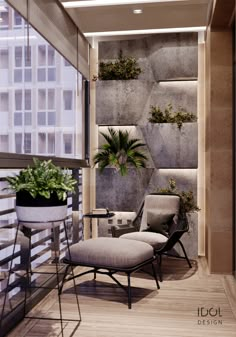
{"x":159,"y":222}
{"x":156,"y":240}
{"x":110,"y":252}
{"x":162,"y":204}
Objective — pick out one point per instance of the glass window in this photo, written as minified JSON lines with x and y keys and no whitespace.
{"x":27,"y":143}
{"x":28,"y":75}
{"x":4,"y":59}
{"x":41,"y":75}
{"x":18,"y":56}
{"x":51,"y":118}
{"x":4,"y":143}
{"x":18,"y":100}
{"x":27,"y":99}
{"x":28,"y":118}
{"x":51,"y":143}
{"x":18,"y":118}
{"x":18,"y":76}
{"x":18,"y":143}
{"x":51,"y":99}
{"x":41,"y":118}
{"x":67,"y":95}
{"x":17,"y":19}
{"x":3,"y":101}
{"x":33,"y":96}
{"x":52,"y":74}
{"x":42,"y":143}
{"x":67,"y":140}
{"x":51,"y":56}
{"x":4,"y":14}
{"x":28,"y":56}
{"x":42,"y":99}
{"x":42,"y":55}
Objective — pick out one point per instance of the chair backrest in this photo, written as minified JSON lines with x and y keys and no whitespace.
{"x":181,"y":227}
{"x":162,"y":203}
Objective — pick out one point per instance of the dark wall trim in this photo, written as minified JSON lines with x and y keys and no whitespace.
{"x":19,"y":161}
{"x":87,"y":119}
{"x":234,"y":149}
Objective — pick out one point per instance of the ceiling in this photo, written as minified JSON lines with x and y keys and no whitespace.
{"x":155,"y":15}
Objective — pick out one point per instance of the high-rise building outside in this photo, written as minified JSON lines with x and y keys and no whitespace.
{"x":40,"y":111}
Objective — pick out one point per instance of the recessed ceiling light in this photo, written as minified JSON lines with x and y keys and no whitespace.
{"x":148,"y":31}
{"x":95,"y":3}
{"x":138,"y":11}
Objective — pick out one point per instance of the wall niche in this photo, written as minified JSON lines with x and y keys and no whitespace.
{"x":169,"y":75}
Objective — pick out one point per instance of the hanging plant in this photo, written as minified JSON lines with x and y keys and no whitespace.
{"x":169,"y":116}
{"x":120,"y":151}
{"x":123,"y":68}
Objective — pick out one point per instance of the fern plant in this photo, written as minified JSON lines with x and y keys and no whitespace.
{"x":123,"y":68}
{"x":169,"y":116}
{"x":44,"y":179}
{"x":120,"y":151}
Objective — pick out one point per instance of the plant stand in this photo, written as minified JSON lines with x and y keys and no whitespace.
{"x":60,"y":271}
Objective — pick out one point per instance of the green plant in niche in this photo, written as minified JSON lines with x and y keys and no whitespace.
{"x":188,"y":203}
{"x":43,"y":178}
{"x":123,"y":68}
{"x":169,"y":116}
{"x":120,"y":151}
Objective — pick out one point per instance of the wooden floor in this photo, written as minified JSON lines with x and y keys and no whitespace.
{"x":172,"y":311}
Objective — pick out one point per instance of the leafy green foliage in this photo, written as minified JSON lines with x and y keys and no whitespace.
{"x":188,"y":203}
{"x":43,"y":179}
{"x":124,"y":68}
{"x":168,"y":116}
{"x":120,"y":151}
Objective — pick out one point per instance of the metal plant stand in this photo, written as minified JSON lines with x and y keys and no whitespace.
{"x":60,"y":271}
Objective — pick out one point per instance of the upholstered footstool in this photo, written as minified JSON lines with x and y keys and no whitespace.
{"x":109,"y":256}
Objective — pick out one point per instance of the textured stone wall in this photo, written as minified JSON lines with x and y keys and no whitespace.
{"x":169,"y":64}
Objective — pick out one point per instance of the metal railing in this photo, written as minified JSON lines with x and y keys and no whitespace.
{"x":41,"y":241}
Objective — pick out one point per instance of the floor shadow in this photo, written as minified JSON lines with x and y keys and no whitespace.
{"x":110,"y":291}
{"x":172,"y":269}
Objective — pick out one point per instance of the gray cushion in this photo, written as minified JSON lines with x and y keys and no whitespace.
{"x":159,"y":222}
{"x":162,"y":203}
{"x":156,"y":240}
{"x":110,"y":252}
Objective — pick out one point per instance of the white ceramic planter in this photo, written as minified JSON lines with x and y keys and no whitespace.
{"x":39,"y":212}
{"x":41,"y":217}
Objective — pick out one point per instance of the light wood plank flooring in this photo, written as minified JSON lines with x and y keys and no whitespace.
{"x":171,"y":311}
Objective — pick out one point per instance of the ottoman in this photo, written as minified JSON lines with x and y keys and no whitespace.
{"x":109,"y":256}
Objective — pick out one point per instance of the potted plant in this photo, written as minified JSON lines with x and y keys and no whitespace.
{"x":188,"y":203}
{"x":120,"y":151}
{"x":123,"y":68}
{"x":41,"y":192}
{"x":120,"y":91}
{"x":169,"y":116}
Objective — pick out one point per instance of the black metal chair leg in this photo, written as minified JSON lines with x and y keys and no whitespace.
{"x":159,"y":267}
{"x":185,"y":254}
{"x":95,"y":273}
{"x":129,"y":292}
{"x":155,"y":276}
